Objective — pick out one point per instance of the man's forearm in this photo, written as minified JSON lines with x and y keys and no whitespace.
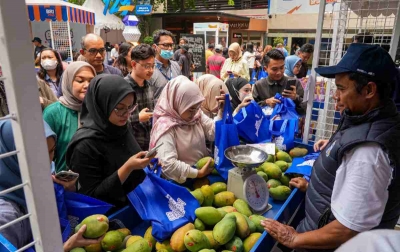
{"x":328,"y":237}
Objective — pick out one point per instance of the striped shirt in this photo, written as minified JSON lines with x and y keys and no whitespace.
{"x":214,"y":64}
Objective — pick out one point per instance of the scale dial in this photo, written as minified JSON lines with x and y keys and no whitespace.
{"x":256,"y":193}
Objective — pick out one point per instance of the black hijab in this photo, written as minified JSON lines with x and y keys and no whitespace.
{"x":234,"y":85}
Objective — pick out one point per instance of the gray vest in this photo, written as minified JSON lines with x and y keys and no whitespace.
{"x":381,"y":126}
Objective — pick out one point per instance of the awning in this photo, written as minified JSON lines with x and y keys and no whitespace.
{"x":56,"y":10}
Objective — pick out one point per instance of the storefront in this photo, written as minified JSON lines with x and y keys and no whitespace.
{"x":254,"y":31}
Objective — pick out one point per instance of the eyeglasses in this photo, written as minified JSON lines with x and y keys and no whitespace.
{"x":172,"y":46}
{"x":95,"y":51}
{"x":124,"y":111}
{"x":147,"y":67}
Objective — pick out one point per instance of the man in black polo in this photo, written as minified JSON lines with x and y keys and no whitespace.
{"x":38,"y":47}
{"x":355,"y":182}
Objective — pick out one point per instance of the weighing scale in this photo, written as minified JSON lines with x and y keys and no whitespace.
{"x":243,"y":180}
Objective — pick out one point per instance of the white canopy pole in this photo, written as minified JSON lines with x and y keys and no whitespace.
{"x":395,"y":35}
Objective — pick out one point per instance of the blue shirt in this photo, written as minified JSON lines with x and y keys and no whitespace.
{"x":54,"y":85}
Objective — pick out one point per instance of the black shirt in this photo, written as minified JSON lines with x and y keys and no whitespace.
{"x":38,"y":49}
{"x":303,"y":70}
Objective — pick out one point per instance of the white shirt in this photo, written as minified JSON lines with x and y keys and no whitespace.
{"x":250,"y":59}
{"x":373,"y":241}
{"x":114,"y":53}
{"x":360,"y":191}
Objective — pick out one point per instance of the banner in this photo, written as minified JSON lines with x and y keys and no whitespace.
{"x":298,"y":6}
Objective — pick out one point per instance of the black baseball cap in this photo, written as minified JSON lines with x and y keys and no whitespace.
{"x":185,"y":47}
{"x":370,"y":60}
{"x":37,"y":39}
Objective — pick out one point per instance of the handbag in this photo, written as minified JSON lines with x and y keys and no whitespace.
{"x":283,"y":132}
{"x":226,"y":135}
{"x":166,"y":205}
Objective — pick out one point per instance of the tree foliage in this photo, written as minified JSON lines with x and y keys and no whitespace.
{"x":278,"y":40}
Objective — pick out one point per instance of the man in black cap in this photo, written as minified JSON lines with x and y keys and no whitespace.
{"x":38,"y":47}
{"x":355,"y":182}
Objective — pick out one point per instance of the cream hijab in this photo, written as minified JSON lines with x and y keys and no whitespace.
{"x":235,"y":47}
{"x":210,"y":87}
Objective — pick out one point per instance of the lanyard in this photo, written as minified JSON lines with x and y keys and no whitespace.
{"x":170,"y":72}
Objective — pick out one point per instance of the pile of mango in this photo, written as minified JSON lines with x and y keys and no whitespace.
{"x":272,"y":171}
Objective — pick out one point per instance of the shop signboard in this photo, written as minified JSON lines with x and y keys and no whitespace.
{"x":237,"y":35}
{"x":298,"y":6}
{"x":49,"y":13}
{"x":239,"y":25}
{"x":196,"y":47}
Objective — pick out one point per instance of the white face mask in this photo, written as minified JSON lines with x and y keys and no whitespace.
{"x":49,"y":64}
{"x":242,"y":96}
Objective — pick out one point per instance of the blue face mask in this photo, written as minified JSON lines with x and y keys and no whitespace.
{"x":166,"y":54}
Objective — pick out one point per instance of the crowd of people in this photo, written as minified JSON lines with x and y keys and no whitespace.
{"x":102,"y":119}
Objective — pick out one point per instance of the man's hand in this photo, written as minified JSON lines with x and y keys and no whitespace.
{"x":282,"y":233}
{"x":299,"y":183}
{"x":68,"y":185}
{"x":320,"y":145}
{"x":272,"y":102}
{"x":145,"y":116}
{"x":290,"y":93}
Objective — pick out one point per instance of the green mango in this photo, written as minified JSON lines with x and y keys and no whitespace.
{"x":256,"y":219}
{"x":252,"y":226}
{"x":208,"y":194}
{"x":141,"y":245}
{"x":272,"y":170}
{"x":199,"y":225}
{"x":78,"y":250}
{"x":224,"y":199}
{"x":203,"y":161}
{"x":282,"y":165}
{"x":280,"y":192}
{"x":195,"y":240}
{"x":285,"y":180}
{"x":112,"y":240}
{"x":284,"y":156}
{"x":208,"y":215}
{"x":224,"y":230}
{"x":273,"y":183}
{"x":198,"y":195}
{"x":235,"y":244}
{"x":218,"y":187}
{"x":263,"y":175}
{"x":249,"y":242}
{"x":242,"y":207}
{"x":96,"y":226}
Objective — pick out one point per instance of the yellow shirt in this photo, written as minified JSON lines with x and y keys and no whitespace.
{"x":208,"y":54}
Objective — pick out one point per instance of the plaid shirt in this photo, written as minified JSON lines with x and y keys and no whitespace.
{"x":144,"y":96}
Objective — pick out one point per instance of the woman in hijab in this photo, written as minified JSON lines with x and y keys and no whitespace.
{"x":63,"y":115}
{"x":235,"y":64}
{"x":292,"y":65}
{"x":104,"y":151}
{"x":183,"y":129}
{"x":13,"y":205}
{"x":210,"y":86}
{"x":240,"y":92}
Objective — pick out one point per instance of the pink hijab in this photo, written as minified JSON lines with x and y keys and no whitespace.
{"x":177,"y":96}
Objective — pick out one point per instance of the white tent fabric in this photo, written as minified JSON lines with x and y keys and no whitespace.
{"x":103,"y":21}
{"x":365,"y":8}
{"x":56,"y":3}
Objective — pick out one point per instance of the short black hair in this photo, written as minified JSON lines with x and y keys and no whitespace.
{"x":157,"y":34}
{"x":63,"y":55}
{"x":385,"y":90}
{"x":142,"y":52}
{"x":364,"y":37}
{"x":274,"y":54}
{"x":307,"y":48}
{"x":250,"y":47}
{"x":211,"y":46}
{"x":184,"y":40}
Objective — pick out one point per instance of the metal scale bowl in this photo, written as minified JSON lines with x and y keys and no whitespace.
{"x":243,"y":180}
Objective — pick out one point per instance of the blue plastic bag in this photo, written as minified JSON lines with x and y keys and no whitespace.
{"x":252,"y":124}
{"x":286,"y":109}
{"x":262,"y":74}
{"x":303,"y":165}
{"x":253,"y":77}
{"x":167,"y":205}
{"x":283,"y":132}
{"x":226,"y":135}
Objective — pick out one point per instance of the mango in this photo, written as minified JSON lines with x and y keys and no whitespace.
{"x":94,"y":248}
{"x":124,"y":231}
{"x":208,"y":215}
{"x":285,"y":180}
{"x":163,"y":250}
{"x":224,"y":230}
{"x":141,"y":245}
{"x":228,"y":209}
{"x":256,"y":219}
{"x":242,"y":228}
{"x":281,"y":155}
{"x":77,"y":228}
{"x":132,"y":239}
{"x":242,"y":207}
{"x":198,"y":195}
{"x":218,"y":187}
{"x":207,"y":250}
{"x":249,"y":242}
{"x":203,"y":161}
{"x":282,"y":165}
{"x":176,"y":242}
{"x":280,"y":192}
{"x":148,"y":236}
{"x":258,"y":169}
{"x":112,"y":240}
{"x":195,"y":240}
{"x":252,"y":226}
{"x":298,"y":152}
{"x":222,"y":212}
{"x":78,"y":250}
{"x":96,"y":226}
{"x":214,"y":172}
{"x":164,"y":246}
{"x":272,"y":170}
{"x":263,"y":175}
{"x":271,"y":158}
{"x":235,"y":244}
{"x":211,"y":240}
{"x":198,"y":183}
{"x":272,"y":183}
{"x":199,"y":225}
{"x":224,"y":199}
{"x":208,"y":194}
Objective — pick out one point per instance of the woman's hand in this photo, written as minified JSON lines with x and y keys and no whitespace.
{"x":320,"y":145}
{"x":78,"y":241}
{"x":221,"y":102}
{"x":300,"y":183}
{"x":139,"y":161}
{"x":244,"y":103}
{"x":68,"y":185}
{"x":207,"y":169}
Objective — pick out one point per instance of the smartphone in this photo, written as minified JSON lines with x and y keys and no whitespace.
{"x":153,"y":151}
{"x":289,"y":84}
{"x":66,"y":175}
{"x":229,"y":72}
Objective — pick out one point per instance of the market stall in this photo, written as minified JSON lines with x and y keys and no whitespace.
{"x":214,"y":33}
{"x":60,"y":24}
